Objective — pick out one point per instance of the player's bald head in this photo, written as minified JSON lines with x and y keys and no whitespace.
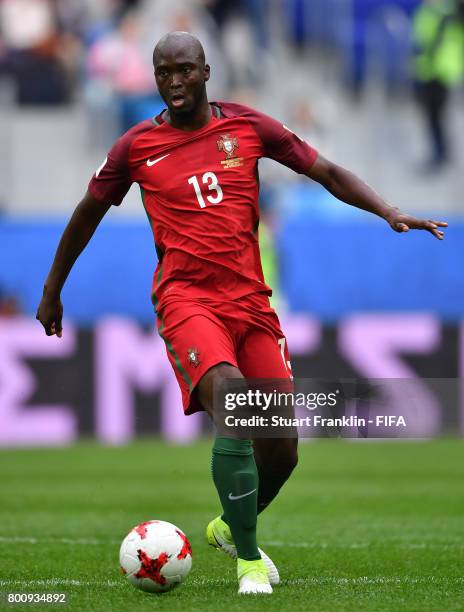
{"x":176,"y":43}
{"x":181,"y":74}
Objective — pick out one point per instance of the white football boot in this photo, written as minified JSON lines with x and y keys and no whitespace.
{"x":253,"y":578}
{"x":218,"y":535}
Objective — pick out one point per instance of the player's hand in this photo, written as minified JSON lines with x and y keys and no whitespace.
{"x":403,"y":223}
{"x":50,"y":314}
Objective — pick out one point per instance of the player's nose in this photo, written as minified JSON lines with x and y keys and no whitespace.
{"x":176,"y":81}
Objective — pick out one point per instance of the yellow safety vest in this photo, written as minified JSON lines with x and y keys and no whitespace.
{"x":440,"y":39}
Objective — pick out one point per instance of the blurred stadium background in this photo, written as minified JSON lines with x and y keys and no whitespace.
{"x":356,"y":300}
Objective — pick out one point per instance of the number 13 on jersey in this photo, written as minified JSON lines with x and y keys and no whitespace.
{"x":209,"y":179}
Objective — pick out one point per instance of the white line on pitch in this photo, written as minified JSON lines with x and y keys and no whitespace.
{"x":355,"y":545}
{"x":31,"y":540}
{"x":376,"y":580}
{"x":277,"y":543}
{"x":359,"y":580}
{"x":60,"y":582}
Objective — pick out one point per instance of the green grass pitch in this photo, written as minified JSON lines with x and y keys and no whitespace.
{"x":360,"y":526}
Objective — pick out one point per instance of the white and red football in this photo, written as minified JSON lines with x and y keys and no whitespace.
{"x":155,"y":556}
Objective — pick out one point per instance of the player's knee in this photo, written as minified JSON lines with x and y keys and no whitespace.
{"x":216,"y":378}
{"x":279,"y":456}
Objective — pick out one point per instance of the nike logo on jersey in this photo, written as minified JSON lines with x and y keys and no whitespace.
{"x":155,"y":161}
{"x":234,"y":497}
{"x":100,"y":168}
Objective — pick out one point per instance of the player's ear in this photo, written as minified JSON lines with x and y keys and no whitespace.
{"x":207,"y":72}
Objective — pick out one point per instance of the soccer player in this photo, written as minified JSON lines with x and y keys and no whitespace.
{"x":196,"y":165}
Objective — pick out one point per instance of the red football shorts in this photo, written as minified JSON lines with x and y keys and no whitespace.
{"x":245,"y":333}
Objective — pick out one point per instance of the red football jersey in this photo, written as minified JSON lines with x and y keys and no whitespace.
{"x":200,"y":192}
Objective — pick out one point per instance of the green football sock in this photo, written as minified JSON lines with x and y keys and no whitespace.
{"x":270,"y":483}
{"x":236,"y":479}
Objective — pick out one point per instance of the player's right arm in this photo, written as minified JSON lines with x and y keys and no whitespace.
{"x":108,"y":186}
{"x":81,"y":227}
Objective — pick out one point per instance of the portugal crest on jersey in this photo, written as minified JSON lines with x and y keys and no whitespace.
{"x":192,"y":356}
{"x":228,"y":144}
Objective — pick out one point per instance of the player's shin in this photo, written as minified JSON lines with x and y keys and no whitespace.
{"x":236,"y":478}
{"x":270,"y":483}
{"x":275,"y":461}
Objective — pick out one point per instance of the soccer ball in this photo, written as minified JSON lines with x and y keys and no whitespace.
{"x":155,"y":556}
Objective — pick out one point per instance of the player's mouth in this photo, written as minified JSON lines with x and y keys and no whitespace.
{"x":178,"y":100}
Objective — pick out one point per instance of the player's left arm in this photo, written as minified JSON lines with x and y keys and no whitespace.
{"x":349,"y":188}
{"x":284,"y":146}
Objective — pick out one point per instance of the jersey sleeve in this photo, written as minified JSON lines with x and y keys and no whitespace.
{"x":279,"y":143}
{"x":282,"y":145}
{"x":111,"y":180}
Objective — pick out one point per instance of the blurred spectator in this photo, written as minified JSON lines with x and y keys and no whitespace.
{"x":128,"y":6}
{"x":165,"y":16}
{"x":119,"y":62}
{"x":244,"y":35}
{"x":118,"y":65}
{"x":256,"y":11}
{"x":33,"y":51}
{"x":439,"y":66}
{"x":308,"y":124}
{"x":388,"y":48}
